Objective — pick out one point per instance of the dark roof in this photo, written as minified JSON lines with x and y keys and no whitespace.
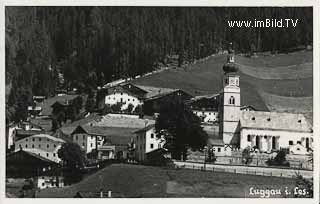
{"x":162,"y":93}
{"x":250,"y":107}
{"x":93,"y":117}
{"x":216,"y":142}
{"x":43,"y":122}
{"x":29,"y":154}
{"x":125,"y":89}
{"x":275,"y":121}
{"x":134,"y":89}
{"x":29,"y":123}
{"x":20,"y":134}
{"x":113,"y":135}
{"x":148,"y":127}
{"x":47,"y":103}
{"x":204,"y":102}
{"x":159,"y":150}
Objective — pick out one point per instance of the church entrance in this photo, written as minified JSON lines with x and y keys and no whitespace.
{"x":273,"y":143}
{"x":257,"y":142}
{"x":307,"y":143}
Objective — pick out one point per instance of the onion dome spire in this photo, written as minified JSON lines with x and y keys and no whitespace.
{"x":230,"y":66}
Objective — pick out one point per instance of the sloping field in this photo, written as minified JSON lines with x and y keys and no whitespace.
{"x":284,"y":77}
{"x":280,"y":103}
{"x":300,"y":71}
{"x":278,"y":60}
{"x":146,"y":181}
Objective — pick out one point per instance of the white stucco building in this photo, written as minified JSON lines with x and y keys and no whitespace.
{"x":120,"y":96}
{"x":43,"y":182}
{"x":146,"y":141}
{"x":43,"y":145}
{"x":86,"y":141}
{"x":207,"y":116}
{"x":269,"y":131}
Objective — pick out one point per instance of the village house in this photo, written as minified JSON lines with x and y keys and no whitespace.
{"x":152,"y":102}
{"x":107,"y":142}
{"x":25,"y":164}
{"x":123,"y":95}
{"x":45,"y":122}
{"x":87,"y":139}
{"x":146,"y":141}
{"x":47,"y":181}
{"x":205,"y":107}
{"x":148,"y":96}
{"x":54,"y":104}
{"x":43,"y":145}
{"x":16,"y":131}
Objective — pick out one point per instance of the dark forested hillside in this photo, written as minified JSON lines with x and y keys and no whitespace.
{"x":90,"y":46}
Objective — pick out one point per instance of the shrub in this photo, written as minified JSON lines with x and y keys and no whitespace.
{"x":279,"y":160}
{"x":211,"y":156}
{"x":246,"y":156}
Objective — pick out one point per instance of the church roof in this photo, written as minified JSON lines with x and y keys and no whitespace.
{"x":275,"y":121}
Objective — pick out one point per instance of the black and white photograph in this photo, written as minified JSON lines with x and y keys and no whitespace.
{"x":159,"y":102}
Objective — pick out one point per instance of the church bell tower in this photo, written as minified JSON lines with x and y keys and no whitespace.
{"x":229,"y":109}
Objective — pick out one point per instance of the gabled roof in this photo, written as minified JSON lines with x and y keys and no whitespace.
{"x":134,"y":89}
{"x":29,"y":154}
{"x":250,"y":107}
{"x":149,"y":127}
{"x":113,"y":135}
{"x":30,"y":123}
{"x":124,"y":89}
{"x":208,"y":96}
{"x":46,"y":136}
{"x":216,"y":142}
{"x":20,"y":134}
{"x":47,"y":103}
{"x":122,"y":122}
{"x":204,"y":102}
{"x":152,"y":91}
{"x":274,"y":121}
{"x":44,"y":123}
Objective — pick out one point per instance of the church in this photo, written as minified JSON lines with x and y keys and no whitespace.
{"x":262,"y":131}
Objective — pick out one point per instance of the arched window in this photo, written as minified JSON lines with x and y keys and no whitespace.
{"x":231,"y":100}
{"x":237,"y":82}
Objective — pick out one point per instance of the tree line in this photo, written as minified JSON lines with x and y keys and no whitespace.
{"x":91,"y":46}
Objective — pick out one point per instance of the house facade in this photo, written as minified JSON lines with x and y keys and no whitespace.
{"x":205,"y":107}
{"x":207,"y":116}
{"x":146,"y":141}
{"x":85,"y":140}
{"x":43,"y":145}
{"x":109,"y":142}
{"x":124,"y":97}
{"x":270,"y":131}
{"x":42,"y":182}
{"x":148,"y":96}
